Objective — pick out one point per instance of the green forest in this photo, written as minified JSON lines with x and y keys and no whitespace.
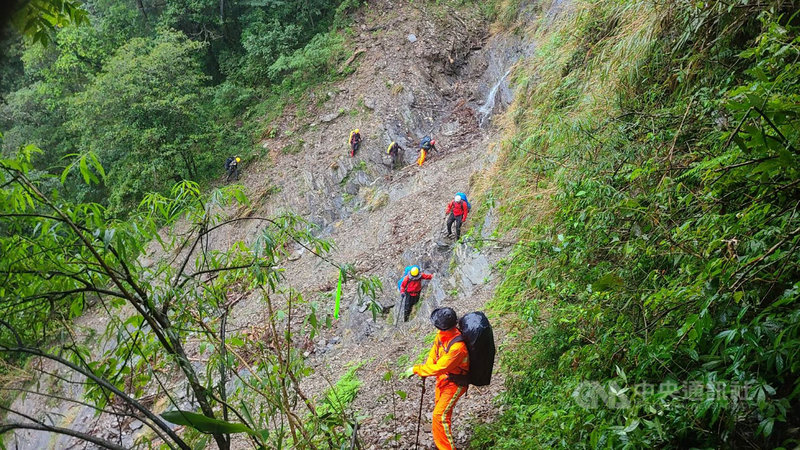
{"x":159,"y":92}
{"x":637,"y":201}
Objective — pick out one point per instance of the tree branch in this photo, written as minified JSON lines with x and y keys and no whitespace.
{"x":100,"y":381}
{"x":219,"y":269}
{"x":6,"y":427}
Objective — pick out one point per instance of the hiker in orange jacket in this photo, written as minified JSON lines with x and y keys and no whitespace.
{"x":457,"y":211}
{"x":425,"y":146}
{"x":410,"y":288}
{"x":448,"y":356}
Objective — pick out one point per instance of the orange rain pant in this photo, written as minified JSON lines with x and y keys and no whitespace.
{"x":421,"y":159}
{"x":447,"y":394}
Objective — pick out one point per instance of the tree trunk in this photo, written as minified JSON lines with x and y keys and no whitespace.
{"x":222,"y":20}
{"x":140,"y":5}
{"x":189,"y":165}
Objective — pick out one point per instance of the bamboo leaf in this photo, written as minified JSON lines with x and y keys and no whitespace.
{"x":205,"y":424}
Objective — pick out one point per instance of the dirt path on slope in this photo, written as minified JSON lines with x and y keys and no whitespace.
{"x":382,"y":220}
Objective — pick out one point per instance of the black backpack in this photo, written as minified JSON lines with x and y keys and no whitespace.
{"x":426,"y":143}
{"x":477,"y":334}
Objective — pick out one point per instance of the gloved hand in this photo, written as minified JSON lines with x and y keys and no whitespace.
{"x":408,"y":373}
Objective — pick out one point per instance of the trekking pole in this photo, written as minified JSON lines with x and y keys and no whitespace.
{"x":419,"y":415}
{"x":354,"y":441}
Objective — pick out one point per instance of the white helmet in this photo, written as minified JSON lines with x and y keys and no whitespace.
{"x":457,"y":198}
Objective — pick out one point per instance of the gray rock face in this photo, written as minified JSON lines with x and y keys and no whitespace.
{"x":450,"y":128}
{"x":351,"y":187}
{"x":330,"y":117}
{"x":473,"y":268}
{"x":494,"y":86}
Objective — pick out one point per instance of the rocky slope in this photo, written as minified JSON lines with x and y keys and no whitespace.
{"x":427,"y":69}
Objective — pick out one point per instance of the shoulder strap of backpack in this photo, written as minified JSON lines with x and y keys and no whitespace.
{"x":458,"y":338}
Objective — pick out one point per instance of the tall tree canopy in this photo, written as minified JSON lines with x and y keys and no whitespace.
{"x":145,"y":115}
{"x":159,"y":91}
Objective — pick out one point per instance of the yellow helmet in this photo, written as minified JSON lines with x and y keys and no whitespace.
{"x":356,"y":130}
{"x":238,"y":159}
{"x":414,"y":271}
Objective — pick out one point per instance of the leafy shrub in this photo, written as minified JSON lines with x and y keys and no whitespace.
{"x":230,"y":100}
{"x":658,"y":303}
{"x":144,"y":116}
{"x":264,"y":43}
{"x":317,"y":59}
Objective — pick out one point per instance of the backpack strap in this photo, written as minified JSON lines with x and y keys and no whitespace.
{"x":439,"y":344}
{"x":458,"y":338}
{"x":459,"y":379}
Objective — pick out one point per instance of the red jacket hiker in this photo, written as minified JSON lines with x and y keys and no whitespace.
{"x":413,"y":287}
{"x":456,"y":213}
{"x":355,"y":141}
{"x":458,"y":208}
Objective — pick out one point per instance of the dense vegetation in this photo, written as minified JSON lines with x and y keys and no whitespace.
{"x":160,"y":309}
{"x":158,"y":92}
{"x":652,"y":165}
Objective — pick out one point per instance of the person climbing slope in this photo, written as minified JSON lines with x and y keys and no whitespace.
{"x":355,"y":141}
{"x":426,"y":145}
{"x":394,"y":152}
{"x":457,"y":211}
{"x":410,"y":288}
{"x":448,"y":356}
{"x":232,"y":167}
